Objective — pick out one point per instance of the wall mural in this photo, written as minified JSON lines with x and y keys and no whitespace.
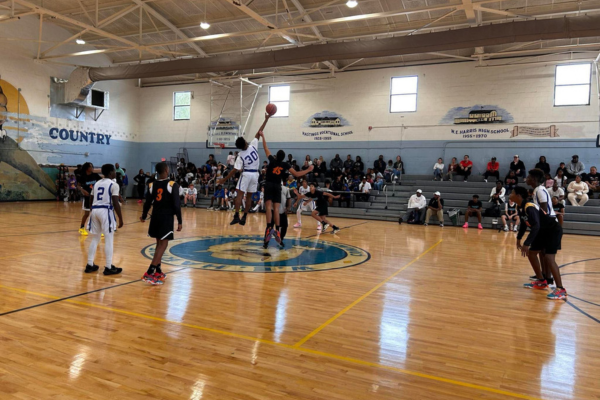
{"x":477,"y":114}
{"x":325,"y":119}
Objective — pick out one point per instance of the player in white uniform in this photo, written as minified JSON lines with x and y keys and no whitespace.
{"x":105,"y":202}
{"x":305,"y":204}
{"x":247,"y":161}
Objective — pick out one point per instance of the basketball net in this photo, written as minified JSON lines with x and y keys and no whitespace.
{"x":218,"y":148}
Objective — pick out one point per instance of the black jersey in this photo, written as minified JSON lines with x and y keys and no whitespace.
{"x":87,"y":182}
{"x":163,"y":196}
{"x":276,"y":170}
{"x":536,"y":220}
{"x":319,"y":198}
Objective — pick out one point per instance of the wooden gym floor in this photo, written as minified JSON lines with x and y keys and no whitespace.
{"x":433,"y":314}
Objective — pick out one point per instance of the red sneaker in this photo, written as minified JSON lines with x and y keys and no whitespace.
{"x":537,"y":285}
{"x":160,"y":276}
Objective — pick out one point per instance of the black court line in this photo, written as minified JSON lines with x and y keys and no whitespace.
{"x":346,"y":227}
{"x":579,"y":273}
{"x":585,"y":301}
{"x":79,"y":295}
{"x":577,"y":298}
{"x":580,"y":310}
{"x":575,"y":262}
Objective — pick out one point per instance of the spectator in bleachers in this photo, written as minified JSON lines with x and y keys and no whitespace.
{"x":218,"y":195}
{"x":465,"y":167}
{"x":561,"y":178}
{"x":559,"y":209}
{"x":543,"y":165}
{"x":497,"y":196}
{"x":231,"y":159}
{"x":258,"y":200}
{"x":593,"y":181}
{"x":349,"y":163}
{"x":379,"y":183}
{"x":511,"y":181}
{"x":336,"y":162}
{"x":379,"y":165}
{"x":562,"y":167}
{"x":518,"y":166}
{"x":365,"y":189}
{"x":557,"y":191}
{"x":181,"y":163}
{"x":578,"y":192}
{"x":511,"y":215}
{"x":435,"y":207}
{"x":389,"y":171}
{"x":191,"y":195}
{"x":549,"y":181}
{"x":438,"y":170}
{"x":493,"y":169}
{"x":321,"y":169}
{"x":452,"y":169}
{"x":359,"y":166}
{"x":474,"y":208}
{"x":290,"y":160}
{"x":417,"y":204}
{"x":398,"y":168}
{"x":308,"y":160}
{"x":575,"y":168}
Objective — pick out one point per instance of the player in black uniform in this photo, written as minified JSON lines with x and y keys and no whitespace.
{"x":321,"y":212}
{"x":276,"y":170}
{"x":85,"y":183}
{"x":545,"y":239}
{"x":163,"y":196}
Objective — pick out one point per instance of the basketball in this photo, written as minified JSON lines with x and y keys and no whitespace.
{"x":271,"y":109}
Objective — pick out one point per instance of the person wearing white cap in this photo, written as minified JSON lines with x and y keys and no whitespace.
{"x":518,"y":166}
{"x":436,"y":206}
{"x":418,"y":204}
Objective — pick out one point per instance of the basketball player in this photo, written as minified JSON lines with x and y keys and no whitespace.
{"x":248,"y":161}
{"x":276,"y":170}
{"x":304,"y":204}
{"x":545,"y":238}
{"x":105,"y":199}
{"x":321,"y":211}
{"x":86,"y":183}
{"x":163,"y":196}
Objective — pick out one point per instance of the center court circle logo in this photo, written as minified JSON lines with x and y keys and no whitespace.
{"x":245,"y":253}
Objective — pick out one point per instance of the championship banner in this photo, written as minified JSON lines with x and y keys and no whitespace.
{"x":533,"y":131}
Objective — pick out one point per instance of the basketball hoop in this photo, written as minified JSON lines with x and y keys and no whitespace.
{"x":218,"y":147}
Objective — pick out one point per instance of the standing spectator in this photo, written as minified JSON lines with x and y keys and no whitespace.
{"x":336,"y":162}
{"x":492,"y":169}
{"x":593,"y":181}
{"x":389,"y":171}
{"x":230,"y":160}
{"x":511,"y":181}
{"x":436,"y":206}
{"x":557,"y":191}
{"x":379,"y":164}
{"x":578,"y":191}
{"x":559,"y":209}
{"x":417,"y":204}
{"x":359,"y":166}
{"x":365,"y":188}
{"x":518,"y":166}
{"x":575,"y":168}
{"x":560,"y":178}
{"x":543,"y":165}
{"x":72,"y":185}
{"x":497,"y":196}
{"x":124,"y":186}
{"x":191,"y":195}
{"x":120,"y":174}
{"x":399,"y":168}
{"x":438,"y":170}
{"x":465,"y":168}
{"x":140,"y":180}
{"x":349,"y":163}
{"x":474,"y":209}
{"x":512,"y":215}
{"x":452,"y":169}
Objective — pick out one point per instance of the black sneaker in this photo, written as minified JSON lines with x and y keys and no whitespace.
{"x":281,"y":245}
{"x":335,"y":230}
{"x":243,"y":220}
{"x":112,"y":270}
{"x":91,"y":268}
{"x":550,"y":281}
{"x":236,"y":220}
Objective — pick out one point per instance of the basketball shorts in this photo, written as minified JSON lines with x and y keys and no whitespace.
{"x":86,"y":203}
{"x":548,"y":240}
{"x":248,"y":182}
{"x":161,"y":227}
{"x":273,"y":192}
{"x":102,"y":220}
{"x":323,"y":210}
{"x":308,"y":206}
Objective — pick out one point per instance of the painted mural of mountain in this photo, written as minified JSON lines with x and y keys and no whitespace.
{"x":477,"y":114}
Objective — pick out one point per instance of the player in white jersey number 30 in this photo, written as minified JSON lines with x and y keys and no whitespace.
{"x":248,"y":162}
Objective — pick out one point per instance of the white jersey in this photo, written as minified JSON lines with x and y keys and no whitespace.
{"x":303,"y":190}
{"x":102,"y":193}
{"x":248,"y":159}
{"x":102,"y":218}
{"x":541,"y":195}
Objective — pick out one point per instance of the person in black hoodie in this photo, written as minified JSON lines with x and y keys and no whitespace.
{"x":518,"y":166}
{"x":140,"y":180}
{"x":379,"y":165}
{"x":336,"y":163}
{"x":543,"y":165}
{"x":359,"y":166}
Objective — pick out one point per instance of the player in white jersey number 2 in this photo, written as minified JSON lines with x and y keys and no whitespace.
{"x":105,"y":202}
{"x":248,"y":162}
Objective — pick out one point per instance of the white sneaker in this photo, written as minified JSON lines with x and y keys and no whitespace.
{"x":297,"y":225}
{"x":485,"y":180}
{"x":319,"y":227}
{"x":515,"y":229}
{"x":325,"y":227}
{"x":505,"y":228}
{"x":441,"y":225}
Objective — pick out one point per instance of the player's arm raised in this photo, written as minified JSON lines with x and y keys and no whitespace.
{"x":115,"y":199}
{"x":267,"y":151}
{"x":262,"y":127}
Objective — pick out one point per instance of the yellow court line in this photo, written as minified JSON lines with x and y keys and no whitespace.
{"x":364,"y":296}
{"x":291,"y":347}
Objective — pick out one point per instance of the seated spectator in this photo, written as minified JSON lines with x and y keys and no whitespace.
{"x":308,"y":159}
{"x":336,"y":162}
{"x":559,"y":209}
{"x":492,"y":170}
{"x":511,"y":215}
{"x":511,"y":181}
{"x":310,"y":175}
{"x":543,"y":165}
{"x":291,"y":184}
{"x":379,"y":165}
{"x":354,"y":184}
{"x":465,"y":168}
{"x":593,"y":181}
{"x":417,"y":204}
{"x":191,"y":195}
{"x":562,"y":167}
{"x":438,"y":170}
{"x":379,"y":182}
{"x":290,"y":159}
{"x":557,"y":191}
{"x":359,"y":166}
{"x":497,"y":196}
{"x":518,"y":166}
{"x":365,"y":189}
{"x":389,"y":171}
{"x":578,"y":191}
{"x":575,"y":168}
{"x":561,"y":178}
{"x":452,"y":169}
{"x":349,"y":163}
{"x":398,"y":168}
{"x":258,"y":200}
{"x":435,"y":207}
{"x":219,"y":195}
{"x":474,"y":209}
{"x":320,"y":170}
{"x":549,"y":181}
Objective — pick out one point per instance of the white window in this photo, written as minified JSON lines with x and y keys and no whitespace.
{"x":280,"y":96}
{"x":403,"y":95}
{"x":182,"y":105}
{"x":572,"y":85}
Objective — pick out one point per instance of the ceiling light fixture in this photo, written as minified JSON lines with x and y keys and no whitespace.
{"x":352,"y":3}
{"x":204,"y":24}
{"x":80,"y":41}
